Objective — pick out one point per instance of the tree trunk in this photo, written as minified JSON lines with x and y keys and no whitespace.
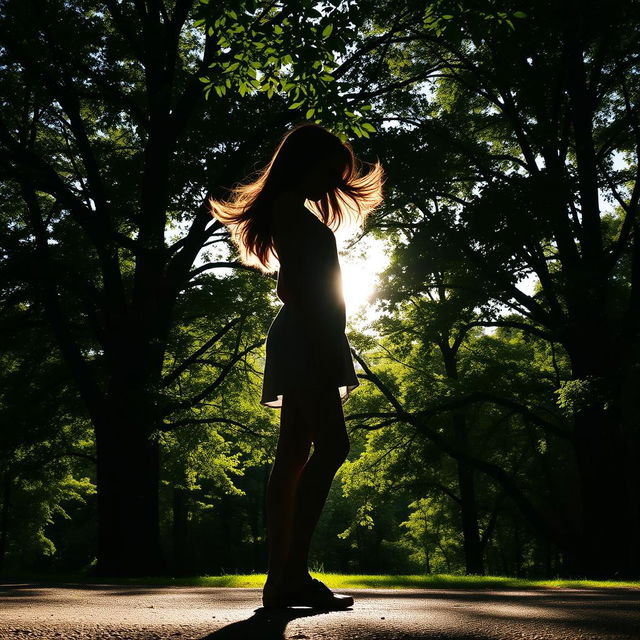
{"x":4,"y":527}
{"x":503,"y":555}
{"x":473,"y":557}
{"x":446,"y":558}
{"x":608,"y":547}
{"x":607,"y":452}
{"x":180,"y":503}
{"x":474,"y":563}
{"x":517,"y":549}
{"x":128,"y":478}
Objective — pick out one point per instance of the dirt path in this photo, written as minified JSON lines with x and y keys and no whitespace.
{"x":69,"y":611}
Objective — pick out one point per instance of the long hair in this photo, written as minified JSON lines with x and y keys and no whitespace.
{"x":247,"y":211}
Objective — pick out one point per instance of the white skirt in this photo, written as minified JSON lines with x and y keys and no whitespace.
{"x":288,"y":361}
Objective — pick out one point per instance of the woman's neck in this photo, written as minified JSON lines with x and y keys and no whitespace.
{"x":292,"y":196}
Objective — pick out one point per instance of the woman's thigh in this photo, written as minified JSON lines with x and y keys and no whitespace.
{"x":317,"y":411}
{"x":293,"y":442}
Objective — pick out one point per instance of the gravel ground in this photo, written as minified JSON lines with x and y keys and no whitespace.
{"x":95,"y":611}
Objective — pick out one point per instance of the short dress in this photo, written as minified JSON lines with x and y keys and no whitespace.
{"x":289,"y":360}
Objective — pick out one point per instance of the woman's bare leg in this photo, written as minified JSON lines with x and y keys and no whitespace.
{"x":324,"y":423}
{"x":292,"y":453}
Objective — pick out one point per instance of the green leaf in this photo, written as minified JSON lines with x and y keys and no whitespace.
{"x":203,"y":79}
{"x":309,"y":113}
{"x":326,"y":32}
{"x":368,"y":126}
{"x":295,"y":105}
{"x":277,"y":29}
{"x":519,"y":14}
{"x":231,"y":67}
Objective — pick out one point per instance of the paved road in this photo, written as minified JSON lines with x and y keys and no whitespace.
{"x":75,"y":611}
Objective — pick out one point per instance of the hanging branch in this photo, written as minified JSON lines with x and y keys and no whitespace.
{"x":173,"y":375}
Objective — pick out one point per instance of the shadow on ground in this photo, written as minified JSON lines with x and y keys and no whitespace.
{"x":265,"y":624}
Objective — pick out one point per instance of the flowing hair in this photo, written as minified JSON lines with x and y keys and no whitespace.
{"x":247,"y":212}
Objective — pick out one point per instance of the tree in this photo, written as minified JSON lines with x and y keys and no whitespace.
{"x":104,"y":132}
{"x":518,"y":135}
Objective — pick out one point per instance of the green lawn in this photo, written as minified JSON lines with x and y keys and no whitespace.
{"x":344,"y":581}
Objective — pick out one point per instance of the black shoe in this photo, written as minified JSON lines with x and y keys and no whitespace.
{"x":314,"y":594}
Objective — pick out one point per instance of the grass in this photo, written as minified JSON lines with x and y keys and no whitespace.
{"x":343,"y":581}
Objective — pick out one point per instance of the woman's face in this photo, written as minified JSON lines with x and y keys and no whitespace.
{"x":323,"y":175}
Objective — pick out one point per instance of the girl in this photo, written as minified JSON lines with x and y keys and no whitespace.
{"x":309,"y":371}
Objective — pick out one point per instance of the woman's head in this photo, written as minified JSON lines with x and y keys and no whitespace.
{"x":314,"y":163}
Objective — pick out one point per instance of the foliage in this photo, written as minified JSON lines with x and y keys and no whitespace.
{"x":508,"y":312}
{"x":288,"y":48}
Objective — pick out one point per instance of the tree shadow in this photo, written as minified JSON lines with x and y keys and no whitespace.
{"x":265,"y":624}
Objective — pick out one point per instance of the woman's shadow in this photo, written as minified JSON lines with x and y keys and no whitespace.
{"x":265,"y":624}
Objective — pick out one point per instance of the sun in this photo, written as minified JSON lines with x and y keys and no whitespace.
{"x":359,"y":267}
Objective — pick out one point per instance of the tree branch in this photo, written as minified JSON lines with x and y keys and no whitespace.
{"x":195,"y":400}
{"x":173,"y":375}
{"x":529,"y":328}
{"x":220,"y":265}
{"x":170,"y":426}
{"x":535,"y":517}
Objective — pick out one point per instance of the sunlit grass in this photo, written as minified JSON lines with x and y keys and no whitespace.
{"x":344,"y":581}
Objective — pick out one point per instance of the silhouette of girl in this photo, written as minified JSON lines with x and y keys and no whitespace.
{"x":308,"y":371}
